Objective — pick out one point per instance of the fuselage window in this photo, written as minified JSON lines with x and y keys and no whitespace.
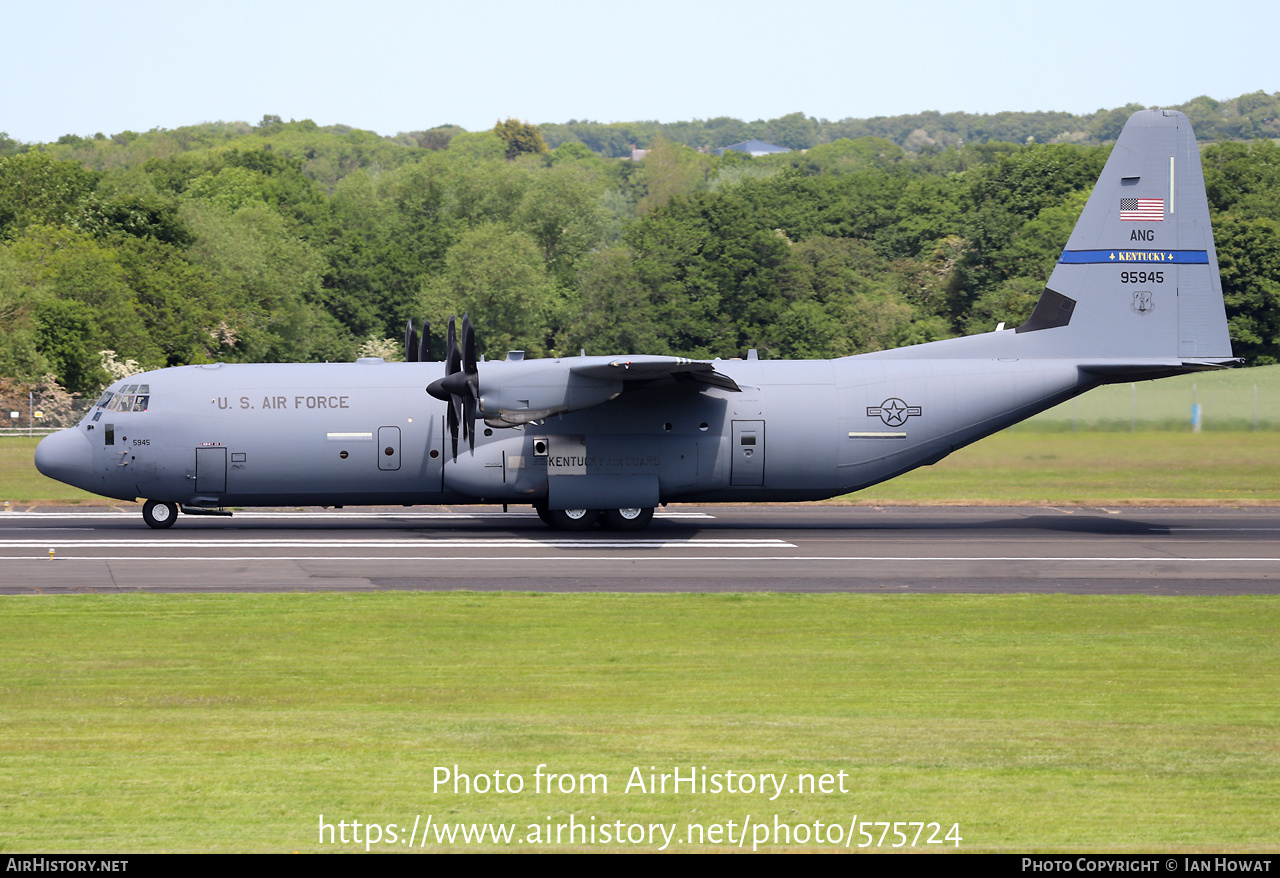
{"x":109,"y":437}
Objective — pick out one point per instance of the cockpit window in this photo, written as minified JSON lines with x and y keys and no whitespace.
{"x":130,"y":398}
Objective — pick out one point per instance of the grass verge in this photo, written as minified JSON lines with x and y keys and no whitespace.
{"x":1148,"y":469}
{"x":23,"y":485}
{"x":230,"y":723}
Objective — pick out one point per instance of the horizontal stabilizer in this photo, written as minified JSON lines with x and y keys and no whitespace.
{"x":1145,"y":370}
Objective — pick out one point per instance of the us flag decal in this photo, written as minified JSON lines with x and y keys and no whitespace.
{"x":1142,"y":210}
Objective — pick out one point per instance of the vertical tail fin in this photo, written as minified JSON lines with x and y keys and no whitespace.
{"x":1139,"y":276}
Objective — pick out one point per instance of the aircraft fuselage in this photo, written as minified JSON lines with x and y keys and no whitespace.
{"x":368,"y":434}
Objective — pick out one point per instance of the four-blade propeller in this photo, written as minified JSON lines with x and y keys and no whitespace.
{"x":460,"y":386}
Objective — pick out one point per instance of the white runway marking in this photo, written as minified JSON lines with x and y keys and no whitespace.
{"x":336,"y":515}
{"x":497,"y":559}
{"x":424,"y":543}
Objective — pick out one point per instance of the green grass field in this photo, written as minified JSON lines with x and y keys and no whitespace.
{"x":230,"y":723}
{"x":1020,"y":467}
{"x":22,"y":484}
{"x":1233,"y":399}
{"x":1147,"y":468}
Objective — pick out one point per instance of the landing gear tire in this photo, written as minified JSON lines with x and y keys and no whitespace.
{"x":627,"y":519}
{"x":572,"y":519}
{"x":159,"y":515}
{"x":543,"y":513}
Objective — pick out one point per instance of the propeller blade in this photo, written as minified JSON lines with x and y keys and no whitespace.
{"x":452,"y":357}
{"x":468,"y":345}
{"x":410,"y":342}
{"x":424,"y":344}
{"x":453,"y":427}
{"x":469,"y":422}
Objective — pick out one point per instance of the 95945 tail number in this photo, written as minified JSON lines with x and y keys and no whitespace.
{"x":1142,"y":277}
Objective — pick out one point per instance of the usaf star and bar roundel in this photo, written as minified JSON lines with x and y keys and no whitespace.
{"x":893,"y":411}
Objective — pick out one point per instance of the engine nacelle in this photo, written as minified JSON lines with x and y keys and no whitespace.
{"x":522,"y":391}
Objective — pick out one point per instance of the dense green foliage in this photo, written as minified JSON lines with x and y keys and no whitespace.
{"x":291,"y":242}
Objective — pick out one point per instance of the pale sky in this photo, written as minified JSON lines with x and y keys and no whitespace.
{"x":393,"y":65}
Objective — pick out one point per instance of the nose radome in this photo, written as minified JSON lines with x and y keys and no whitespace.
{"x":65,"y":456}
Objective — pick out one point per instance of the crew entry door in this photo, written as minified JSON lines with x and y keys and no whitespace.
{"x":211,"y":470}
{"x":747,"y":468}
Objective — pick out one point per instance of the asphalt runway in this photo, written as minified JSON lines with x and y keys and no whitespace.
{"x":799,"y":548}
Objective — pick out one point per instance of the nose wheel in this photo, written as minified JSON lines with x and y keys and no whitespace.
{"x":159,"y":515}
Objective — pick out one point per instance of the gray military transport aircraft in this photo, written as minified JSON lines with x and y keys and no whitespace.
{"x":1135,"y":295}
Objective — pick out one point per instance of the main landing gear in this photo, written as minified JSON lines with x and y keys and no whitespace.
{"x":159,"y":515}
{"x":631,"y":519}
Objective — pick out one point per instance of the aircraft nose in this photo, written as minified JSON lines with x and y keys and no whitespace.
{"x":64,"y":455}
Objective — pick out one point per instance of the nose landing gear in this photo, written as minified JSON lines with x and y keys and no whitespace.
{"x":159,"y":515}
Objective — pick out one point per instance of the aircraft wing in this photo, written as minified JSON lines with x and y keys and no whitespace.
{"x":523,"y":391}
{"x":651,"y":368}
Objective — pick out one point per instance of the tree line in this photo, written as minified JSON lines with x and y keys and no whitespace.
{"x":330,"y":152}
{"x":288,"y":242}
